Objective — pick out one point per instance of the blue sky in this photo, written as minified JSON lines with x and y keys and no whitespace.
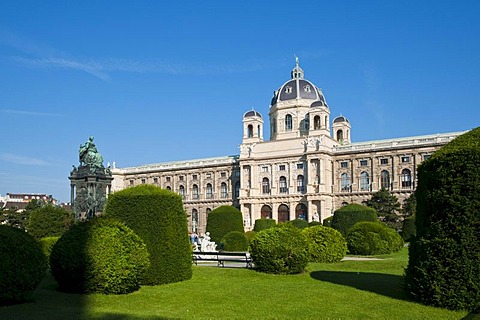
{"x":158,"y":81}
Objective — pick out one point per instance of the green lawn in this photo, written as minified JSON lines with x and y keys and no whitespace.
{"x":345,"y":290}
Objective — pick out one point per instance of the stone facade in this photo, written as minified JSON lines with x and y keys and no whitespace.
{"x":308,"y":166}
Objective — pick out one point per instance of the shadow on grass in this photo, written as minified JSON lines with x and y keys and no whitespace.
{"x":384,"y":284}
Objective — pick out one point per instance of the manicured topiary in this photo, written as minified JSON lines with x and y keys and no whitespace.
{"x":327,"y":222}
{"x":48,"y":221}
{"x":250,"y":235}
{"x":345,"y":217}
{"x":408,"y":228}
{"x":325,"y":244}
{"x":280,"y":250}
{"x":158,"y":217}
{"x":314,"y":223}
{"x":47,"y":244}
{"x":22,"y":265}
{"x":235,"y":241}
{"x":262,"y":224}
{"x":369,"y":238}
{"x":99,"y":256}
{"x":223,"y":220}
{"x":444,"y":257}
{"x":298,"y":223}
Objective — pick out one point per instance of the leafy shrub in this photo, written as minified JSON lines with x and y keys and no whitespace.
{"x":102,"y":255}
{"x":298,"y":223}
{"x":48,"y":221}
{"x":408,"y":228}
{"x":444,"y":257}
{"x":22,"y":265}
{"x":250,"y":235}
{"x":327,"y":222}
{"x":47,"y":244}
{"x":325,"y":244}
{"x":280,"y":250}
{"x":314,"y":223}
{"x":368,"y":238}
{"x":262,"y":224}
{"x":223,"y":220}
{"x":347,"y":216}
{"x":235,"y":241}
{"x":158,"y":217}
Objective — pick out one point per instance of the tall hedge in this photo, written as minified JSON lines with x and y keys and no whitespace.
{"x":346,"y":217}
{"x":223,"y":220}
{"x":22,"y":265}
{"x":444,"y":257}
{"x":262,"y":224}
{"x":48,"y":221}
{"x":158,"y":217}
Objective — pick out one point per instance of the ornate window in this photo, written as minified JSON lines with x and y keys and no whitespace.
{"x":339,"y":135}
{"x":250,"y":131}
{"x":406,"y":179}
{"x":181,"y":191}
{"x":194,"y":191}
{"x":345,"y":182}
{"x":283,"y":184}
{"x":209,"y":191}
{"x":288,"y":122}
{"x":364,"y":181}
{"x":316,"y":123}
{"x":300,"y":184}
{"x":363,"y":163}
{"x":384,"y":161}
{"x":223,"y":190}
{"x":344,"y":164}
{"x":265,"y":186}
{"x":237,"y":189}
{"x":385,"y":180}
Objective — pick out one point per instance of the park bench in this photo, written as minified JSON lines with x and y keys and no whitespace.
{"x":223,"y":256}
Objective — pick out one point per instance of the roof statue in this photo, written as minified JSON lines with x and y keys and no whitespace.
{"x":89,"y":155}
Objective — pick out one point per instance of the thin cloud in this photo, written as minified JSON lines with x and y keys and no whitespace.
{"x":22,"y":160}
{"x":31,"y":113}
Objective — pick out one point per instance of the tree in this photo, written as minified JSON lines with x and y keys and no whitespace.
{"x":48,"y":221}
{"x":387,"y":207}
{"x":409,"y":207}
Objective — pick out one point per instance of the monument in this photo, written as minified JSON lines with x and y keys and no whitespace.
{"x":90,"y":183}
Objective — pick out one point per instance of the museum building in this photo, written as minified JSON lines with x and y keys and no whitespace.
{"x":307,"y":169}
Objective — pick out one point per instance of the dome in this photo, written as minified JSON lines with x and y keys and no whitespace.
{"x":299,"y":88}
{"x":252,"y":113}
{"x":340,"y":119}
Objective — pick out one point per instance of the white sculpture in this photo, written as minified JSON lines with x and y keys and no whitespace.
{"x":206,"y":245}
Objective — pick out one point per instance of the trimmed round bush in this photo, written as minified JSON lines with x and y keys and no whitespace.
{"x":48,"y":221}
{"x":157,"y":216}
{"x":99,"y":256}
{"x":235,"y":241}
{"x":223,"y":220}
{"x":347,"y":216}
{"x":262,"y":224}
{"x":369,"y":238}
{"x":314,"y":223}
{"x":298,"y":223}
{"x":325,"y":244}
{"x":22,"y":265}
{"x":444,"y":257}
{"x":327,"y":222}
{"x":47,"y":244}
{"x":408,"y":228}
{"x":280,"y":250}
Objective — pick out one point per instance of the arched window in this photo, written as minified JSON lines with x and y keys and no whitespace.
{"x":250,"y":131}
{"x":406,"y":179}
{"x":266,"y":212}
{"x":237,"y":189}
{"x":300,"y":184}
{"x":283,"y":184}
{"x":265,"y":186}
{"x":169,"y":188}
{"x":345,"y":182}
{"x":258,"y":132}
{"x":288,"y":122}
{"x":181,"y":191}
{"x":194,"y":220}
{"x":209,"y":191}
{"x":385,"y":180}
{"x":307,"y":122}
{"x":301,"y":211}
{"x":283,"y":213}
{"x":339,"y":135}
{"x":194,"y":191}
{"x":344,"y":204}
{"x":364,"y":181}
{"x":223,"y":190}
{"x":316,"y":122}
